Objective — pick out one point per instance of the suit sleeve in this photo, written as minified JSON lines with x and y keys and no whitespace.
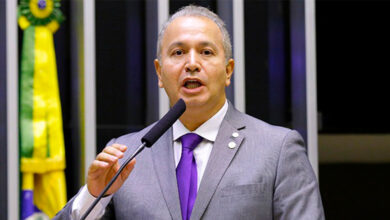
{"x":296,"y":191}
{"x":78,"y":205}
{"x":66,"y":213}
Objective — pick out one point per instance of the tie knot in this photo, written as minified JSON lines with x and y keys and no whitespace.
{"x":190,"y":140}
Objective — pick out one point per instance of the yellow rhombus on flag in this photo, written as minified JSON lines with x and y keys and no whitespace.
{"x":42,"y":151}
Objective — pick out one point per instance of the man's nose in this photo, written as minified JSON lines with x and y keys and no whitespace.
{"x":192,"y":64}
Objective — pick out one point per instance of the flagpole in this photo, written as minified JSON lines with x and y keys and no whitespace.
{"x":12,"y":110}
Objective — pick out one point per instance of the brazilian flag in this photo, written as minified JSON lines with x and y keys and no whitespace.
{"x":42,"y":151}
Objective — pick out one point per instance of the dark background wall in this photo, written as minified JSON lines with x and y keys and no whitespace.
{"x":120,"y":68}
{"x":352,"y":57}
{"x":352,"y":52}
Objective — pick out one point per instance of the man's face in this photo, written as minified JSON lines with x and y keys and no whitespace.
{"x":193,"y":65}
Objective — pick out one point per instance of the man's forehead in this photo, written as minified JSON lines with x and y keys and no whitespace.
{"x":192,"y":25}
{"x":183,"y":44}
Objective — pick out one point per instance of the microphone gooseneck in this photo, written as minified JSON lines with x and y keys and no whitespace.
{"x":147,"y":141}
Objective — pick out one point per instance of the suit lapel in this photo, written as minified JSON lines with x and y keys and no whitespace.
{"x":220,"y":159}
{"x":164,"y":166}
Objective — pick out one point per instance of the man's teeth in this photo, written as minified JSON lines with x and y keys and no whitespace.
{"x":192,"y":84}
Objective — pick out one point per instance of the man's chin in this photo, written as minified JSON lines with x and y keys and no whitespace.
{"x":190,"y":102}
{"x":194,"y":102}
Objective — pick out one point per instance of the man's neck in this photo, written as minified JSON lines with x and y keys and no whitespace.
{"x":195,"y":117}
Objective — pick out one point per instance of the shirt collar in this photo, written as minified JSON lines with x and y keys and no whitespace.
{"x":208,"y":130}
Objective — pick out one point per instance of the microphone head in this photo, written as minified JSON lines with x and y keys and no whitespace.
{"x":164,"y":123}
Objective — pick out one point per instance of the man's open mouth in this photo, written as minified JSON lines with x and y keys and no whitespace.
{"x":192,"y":84}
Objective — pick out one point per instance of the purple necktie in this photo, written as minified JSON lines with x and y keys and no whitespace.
{"x":187,"y":176}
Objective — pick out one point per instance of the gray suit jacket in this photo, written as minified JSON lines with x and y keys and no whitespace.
{"x":266,"y":176}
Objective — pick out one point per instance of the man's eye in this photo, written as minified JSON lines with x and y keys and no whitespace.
{"x":207,"y":52}
{"x":178,"y":52}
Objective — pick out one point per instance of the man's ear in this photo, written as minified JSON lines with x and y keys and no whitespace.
{"x":157,"y":66}
{"x":229,"y":71}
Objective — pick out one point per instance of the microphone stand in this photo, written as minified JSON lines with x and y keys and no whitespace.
{"x":136,"y":152}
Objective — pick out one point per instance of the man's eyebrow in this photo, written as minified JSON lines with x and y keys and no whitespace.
{"x":208,"y":43}
{"x":181,"y":44}
{"x":175,"y":44}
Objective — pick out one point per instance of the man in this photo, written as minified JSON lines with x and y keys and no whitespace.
{"x":241,"y":167}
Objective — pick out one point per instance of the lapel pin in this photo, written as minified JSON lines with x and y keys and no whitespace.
{"x":232,"y":145}
{"x":235,"y":134}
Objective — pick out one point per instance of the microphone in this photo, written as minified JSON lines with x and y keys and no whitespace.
{"x":147,"y":141}
{"x":164,"y":123}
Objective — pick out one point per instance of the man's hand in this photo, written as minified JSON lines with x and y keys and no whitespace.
{"x":104,"y":167}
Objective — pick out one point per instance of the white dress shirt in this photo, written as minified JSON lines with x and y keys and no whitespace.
{"x":208,"y":131}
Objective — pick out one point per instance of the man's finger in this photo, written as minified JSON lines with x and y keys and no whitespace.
{"x":113,"y":151}
{"x":116,"y":167}
{"x":120,"y":147}
{"x":96,"y":165}
{"x":107,"y":158}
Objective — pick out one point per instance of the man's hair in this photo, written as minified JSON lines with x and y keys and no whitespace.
{"x":198,"y":11}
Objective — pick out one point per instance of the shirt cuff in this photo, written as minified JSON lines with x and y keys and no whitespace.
{"x":82,"y":202}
